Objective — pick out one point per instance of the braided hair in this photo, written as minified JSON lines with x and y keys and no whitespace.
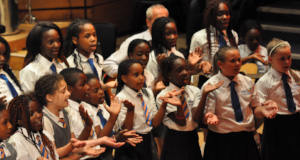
{"x":210,"y":14}
{"x":6,"y":67}
{"x":73,"y":30}
{"x":19,"y":112}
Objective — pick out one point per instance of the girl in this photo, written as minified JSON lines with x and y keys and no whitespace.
{"x":9,"y":85}
{"x":138,"y":111}
{"x":52,"y":93}
{"x":44,"y":56}
{"x":139,"y":49}
{"x":230,"y":119}
{"x":164,"y":38}
{"x":80,"y":47}
{"x":7,"y":151}
{"x":252,"y":51}
{"x":281,"y":84}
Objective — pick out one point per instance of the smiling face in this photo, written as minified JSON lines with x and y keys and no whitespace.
{"x":141,"y":53}
{"x":50,"y":44}
{"x":36,"y":115}
{"x":232,"y":63}
{"x":252,"y":39}
{"x":5,"y":126}
{"x":96,"y":93}
{"x":86,"y":42}
{"x":179,"y":74}
{"x":281,"y":59}
{"x":2,"y":57}
{"x":170,"y":35}
{"x":223,"y":17}
{"x":135,"y":77}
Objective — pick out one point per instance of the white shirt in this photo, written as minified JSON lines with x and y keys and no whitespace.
{"x":219,"y":103}
{"x":192,"y":96}
{"x":35,"y":70}
{"x":84,"y":65}
{"x":245,"y":52}
{"x":149,"y":79}
{"x":47,"y":125}
{"x":270,"y":87}
{"x":4,"y":89}
{"x":6,"y":151}
{"x":25,"y":148}
{"x":105,"y":113}
{"x":111,"y":64}
{"x":139,"y":120}
{"x":200,"y":39}
{"x":152,"y":65}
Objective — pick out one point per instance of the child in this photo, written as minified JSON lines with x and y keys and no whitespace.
{"x":164,"y":38}
{"x":252,"y":51}
{"x":229,"y":111}
{"x":43,"y":44}
{"x":9,"y":85}
{"x":216,"y":34}
{"x":80,"y":47}
{"x":139,"y":49}
{"x":7,"y":151}
{"x":281,"y":84}
{"x":138,"y":111}
{"x":52,"y":93}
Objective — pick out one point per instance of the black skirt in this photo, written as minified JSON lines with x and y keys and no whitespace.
{"x":231,"y":146}
{"x":281,"y":138}
{"x":181,"y":145}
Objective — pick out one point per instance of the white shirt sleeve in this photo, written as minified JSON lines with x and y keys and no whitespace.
{"x":48,"y":126}
{"x":27,"y":80}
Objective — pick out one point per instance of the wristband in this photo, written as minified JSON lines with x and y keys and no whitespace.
{"x":179,"y":117}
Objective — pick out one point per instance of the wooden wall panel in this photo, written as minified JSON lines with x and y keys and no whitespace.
{"x":45,"y":4}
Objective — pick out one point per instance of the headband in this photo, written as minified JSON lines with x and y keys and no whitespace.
{"x":284,"y":43}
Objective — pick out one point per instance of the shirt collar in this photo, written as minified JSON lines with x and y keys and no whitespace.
{"x":46,"y":63}
{"x":25,"y":133}
{"x":277,"y":74}
{"x":131,"y":92}
{"x":82,"y":57}
{"x":74,"y":104}
{"x":52,"y":116}
{"x":226,"y":80}
{"x":2,"y":144}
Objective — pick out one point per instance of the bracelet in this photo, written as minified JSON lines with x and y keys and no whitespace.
{"x":179,"y":117}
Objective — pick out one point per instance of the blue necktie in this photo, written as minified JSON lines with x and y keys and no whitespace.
{"x":103,"y":120}
{"x":53,"y":68}
{"x":91,"y":62}
{"x":288,"y":93}
{"x":10,"y":86}
{"x":236,"y":103}
{"x":222,"y":41}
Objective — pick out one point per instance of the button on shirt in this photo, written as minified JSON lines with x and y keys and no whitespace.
{"x":111,"y":64}
{"x":47,"y":123}
{"x":245,"y":52}
{"x":25,"y":149}
{"x":35,"y":70}
{"x":192,"y":96}
{"x":4,"y":89}
{"x":219,"y":103}
{"x":139,"y":120}
{"x":84,"y":65}
{"x":270,"y":87}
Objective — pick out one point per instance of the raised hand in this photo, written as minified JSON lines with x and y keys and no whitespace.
{"x":171,"y":97}
{"x":208,"y":87}
{"x":205,"y":66}
{"x":160,"y":58}
{"x":128,"y":105}
{"x":85,"y":116}
{"x":211,"y":118}
{"x":196,"y":56}
{"x":115,"y":106}
{"x":270,"y":109}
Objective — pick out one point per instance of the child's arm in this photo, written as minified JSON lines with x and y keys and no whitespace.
{"x":110,"y":84}
{"x":107,"y":141}
{"x":268,"y":109}
{"x":85,"y":134}
{"x":128,"y":122}
{"x":129,"y":137}
{"x":67,"y":149}
{"x":114,"y":110}
{"x":198,"y":111}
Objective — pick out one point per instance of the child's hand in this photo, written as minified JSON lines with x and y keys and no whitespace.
{"x":159,"y":86}
{"x":259,"y":57}
{"x":111,"y":84}
{"x":89,"y":150}
{"x":205,"y":66}
{"x":85,"y":116}
{"x":171,"y":97}
{"x":41,"y":158}
{"x":196,"y":56}
{"x":3,"y":100}
{"x":107,"y":141}
{"x":77,"y":143}
{"x":115,"y":106}
{"x":270,"y":109}
{"x":211,"y":118}
{"x":128,"y":105}
{"x":160,"y":58}
{"x":129,"y":137}
{"x":134,"y":141}
{"x":208,"y":87}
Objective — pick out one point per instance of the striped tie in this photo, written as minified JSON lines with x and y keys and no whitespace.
{"x":184,"y":106}
{"x":2,"y":152}
{"x":146,"y":111}
{"x":42,"y":148}
{"x":63,"y":122}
